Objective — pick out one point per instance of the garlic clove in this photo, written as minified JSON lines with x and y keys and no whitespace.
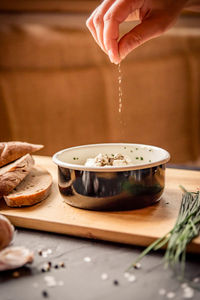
{"x":15,"y":257}
{"x":6,"y":232}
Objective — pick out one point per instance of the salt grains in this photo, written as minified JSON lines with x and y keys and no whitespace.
{"x":50,"y":281}
{"x":120,"y":88}
{"x":104,"y":276}
{"x":87,"y":259}
{"x":162,"y":292}
{"x":44,"y":253}
{"x":188,"y":292}
{"x":171,"y":295}
{"x":130,"y":277}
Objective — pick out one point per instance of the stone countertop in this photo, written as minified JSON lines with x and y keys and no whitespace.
{"x":82,"y":276}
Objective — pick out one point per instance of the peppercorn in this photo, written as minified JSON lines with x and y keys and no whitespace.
{"x":45,"y":294}
{"x":116,"y":282}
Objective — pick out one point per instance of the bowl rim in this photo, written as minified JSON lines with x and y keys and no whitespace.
{"x":132,"y":167}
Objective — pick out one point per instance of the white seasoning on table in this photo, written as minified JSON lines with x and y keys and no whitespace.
{"x":126,"y":274}
{"x":171,"y":295}
{"x":188,"y":292}
{"x":184,"y":285}
{"x":104,"y":276}
{"x":50,"y":281}
{"x":162,"y":292}
{"x":131,"y":278}
{"x":196,"y":279}
{"x":87,"y":259}
{"x":60,"y":283}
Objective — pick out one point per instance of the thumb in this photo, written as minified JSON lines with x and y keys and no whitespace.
{"x":148,"y":29}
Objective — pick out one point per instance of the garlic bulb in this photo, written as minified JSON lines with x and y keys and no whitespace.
{"x":15,"y":257}
{"x":6,"y":232}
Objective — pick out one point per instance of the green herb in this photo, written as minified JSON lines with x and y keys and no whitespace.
{"x":75,"y":158}
{"x":137,"y":158}
{"x":186,"y":228}
{"x":149,"y":160}
{"x":124,"y":147}
{"x":136,"y":148}
{"x":141,"y":158}
{"x":131,"y":150}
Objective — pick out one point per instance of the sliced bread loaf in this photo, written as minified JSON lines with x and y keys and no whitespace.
{"x":33,"y":189}
{"x":11,"y":175}
{"x":10,"y":151}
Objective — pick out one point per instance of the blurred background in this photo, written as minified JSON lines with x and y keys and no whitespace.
{"x":59,"y":89}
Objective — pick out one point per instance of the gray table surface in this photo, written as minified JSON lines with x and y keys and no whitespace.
{"x":82,"y":280}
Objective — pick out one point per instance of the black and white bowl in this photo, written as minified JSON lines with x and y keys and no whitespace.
{"x":112,"y":187}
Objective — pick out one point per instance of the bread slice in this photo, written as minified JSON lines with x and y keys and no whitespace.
{"x":11,"y":151}
{"x":12,"y":174}
{"x":33,"y":189}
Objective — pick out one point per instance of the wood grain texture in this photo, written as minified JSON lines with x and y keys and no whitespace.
{"x":137,"y":227}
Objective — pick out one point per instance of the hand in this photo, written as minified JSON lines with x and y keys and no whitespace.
{"x":156,"y":17}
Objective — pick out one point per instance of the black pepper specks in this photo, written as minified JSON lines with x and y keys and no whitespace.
{"x":116,"y":282}
{"x":45,"y":294}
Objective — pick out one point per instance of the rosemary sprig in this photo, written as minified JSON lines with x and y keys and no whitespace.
{"x":186,"y":228}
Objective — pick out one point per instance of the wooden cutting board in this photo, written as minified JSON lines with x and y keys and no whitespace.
{"x":138,"y":227}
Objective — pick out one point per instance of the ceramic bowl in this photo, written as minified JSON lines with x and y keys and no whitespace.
{"x":112,"y":188}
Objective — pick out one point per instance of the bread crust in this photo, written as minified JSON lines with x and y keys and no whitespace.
{"x":10,"y":151}
{"x":36,"y":194}
{"x":11,"y":175}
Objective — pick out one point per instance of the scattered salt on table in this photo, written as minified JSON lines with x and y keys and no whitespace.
{"x":171,"y":295}
{"x":87,"y":259}
{"x":162,"y":292}
{"x":188,"y":292}
{"x":104,"y":276}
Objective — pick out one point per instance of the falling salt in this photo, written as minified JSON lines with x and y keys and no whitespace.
{"x":104,"y":276}
{"x":120,"y":88}
{"x":162,"y":292}
{"x":87,"y":259}
{"x":196,"y":279}
{"x":170,"y":295}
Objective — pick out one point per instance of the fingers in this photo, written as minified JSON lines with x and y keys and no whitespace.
{"x":91,"y":27}
{"x":95,"y":22}
{"x":104,"y":24}
{"x":148,"y":29}
{"x":99,"y":21}
{"x":115,"y":15}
